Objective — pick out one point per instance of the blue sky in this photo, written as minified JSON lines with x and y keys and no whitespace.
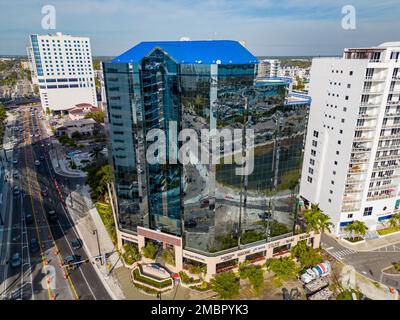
{"x":269,"y":27}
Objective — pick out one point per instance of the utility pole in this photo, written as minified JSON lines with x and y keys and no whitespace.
{"x":98,"y":244}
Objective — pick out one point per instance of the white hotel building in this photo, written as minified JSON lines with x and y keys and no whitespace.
{"x":351,"y":162}
{"x":62,"y":68}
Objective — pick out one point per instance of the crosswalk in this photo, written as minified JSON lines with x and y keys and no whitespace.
{"x":339,"y":253}
{"x":389,"y":248}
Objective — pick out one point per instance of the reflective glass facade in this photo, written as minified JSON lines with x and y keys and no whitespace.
{"x":209,"y":205}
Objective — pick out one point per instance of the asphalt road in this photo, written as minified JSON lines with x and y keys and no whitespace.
{"x":42,"y":275}
{"x":369,"y":264}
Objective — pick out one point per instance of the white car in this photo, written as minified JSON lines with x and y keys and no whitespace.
{"x":37,"y":163}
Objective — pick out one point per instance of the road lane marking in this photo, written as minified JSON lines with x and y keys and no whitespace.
{"x":73,"y":229}
{"x":55,"y":243}
{"x":34,"y":218}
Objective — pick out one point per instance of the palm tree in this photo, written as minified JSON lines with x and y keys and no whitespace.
{"x":95,"y":153}
{"x":357,"y":229}
{"x":393,"y":222}
{"x":317,"y":220}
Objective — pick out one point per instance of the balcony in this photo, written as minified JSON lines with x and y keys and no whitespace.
{"x":350,"y":208}
{"x":392,"y":136}
{"x":375,"y":60}
{"x":381,"y":196}
{"x":388,"y":157}
{"x":347,"y":191}
{"x":351,"y":200}
{"x":367,"y":116}
{"x":393,"y":103}
{"x":385,"y":178}
{"x":370,"y":91}
{"x":366,"y":127}
{"x":380,"y":168}
{"x":372,"y":78}
{"x":356,"y":160}
{"x":370,"y":105}
{"x":385,"y":187}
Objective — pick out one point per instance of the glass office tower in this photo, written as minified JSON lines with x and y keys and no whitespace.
{"x":201,"y":85}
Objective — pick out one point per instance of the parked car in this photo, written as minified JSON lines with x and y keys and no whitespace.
{"x":37,"y":163}
{"x":16,"y":260}
{"x":41,"y":158}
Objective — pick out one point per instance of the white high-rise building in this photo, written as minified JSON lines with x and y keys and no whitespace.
{"x":268,"y":68}
{"x":351,"y":162}
{"x":62,"y":67}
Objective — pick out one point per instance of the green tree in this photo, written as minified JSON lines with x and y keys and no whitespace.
{"x":168,"y":257}
{"x":149,"y":250}
{"x":254,"y":274}
{"x":356,"y":229}
{"x":393,"y":222}
{"x":284,"y":269}
{"x":226,"y":285}
{"x":316,"y":219}
{"x":98,"y":116}
{"x":307,"y":256}
{"x":95,"y":153}
{"x":98,"y":178}
{"x":131,"y":254}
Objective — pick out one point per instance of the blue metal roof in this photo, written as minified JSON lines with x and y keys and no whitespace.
{"x":193,"y":52}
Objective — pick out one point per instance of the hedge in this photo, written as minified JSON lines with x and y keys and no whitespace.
{"x":138,"y":277}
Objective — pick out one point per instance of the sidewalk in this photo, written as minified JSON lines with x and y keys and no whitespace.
{"x":87,"y":219}
{"x":369,"y":245}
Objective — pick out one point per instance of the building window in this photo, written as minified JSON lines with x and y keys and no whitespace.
{"x":367,"y":211}
{"x":335,"y":163}
{"x":312,"y":161}
{"x":331,"y":191}
{"x":350,"y":215}
{"x":339,"y":142}
{"x":340,"y":131}
{"x":314,"y":143}
{"x":348,"y":85}
{"x":337,"y":152}
{"x":313,"y":152}
{"x":332,"y":182}
{"x":351,"y":73}
{"x":310,"y":170}
{"x":309,"y":179}
{"x":346,"y":97}
{"x":316,"y":134}
{"x":329,"y":200}
{"x":342,"y":120}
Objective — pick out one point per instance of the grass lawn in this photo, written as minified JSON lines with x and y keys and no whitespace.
{"x":388,"y":230}
{"x":106,"y":216}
